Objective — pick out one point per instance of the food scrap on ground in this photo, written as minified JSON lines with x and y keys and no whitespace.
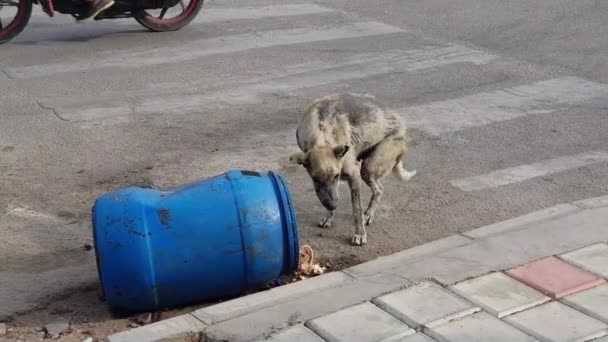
{"x":307,"y":268}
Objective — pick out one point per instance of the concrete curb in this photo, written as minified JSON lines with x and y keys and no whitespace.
{"x":592,"y":203}
{"x":168,"y":328}
{"x":243,"y":305}
{"x":523,"y":221}
{"x":207,"y":318}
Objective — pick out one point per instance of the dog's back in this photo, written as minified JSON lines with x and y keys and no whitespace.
{"x":347,"y":119}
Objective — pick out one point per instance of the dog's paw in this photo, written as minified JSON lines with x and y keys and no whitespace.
{"x":359,"y":240}
{"x":326,"y":222}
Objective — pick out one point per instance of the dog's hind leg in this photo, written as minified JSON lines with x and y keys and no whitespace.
{"x":385,"y":157}
{"x":328,"y":220}
{"x":368,"y":216}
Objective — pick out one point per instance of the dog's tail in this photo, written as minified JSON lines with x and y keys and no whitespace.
{"x":401,"y":173}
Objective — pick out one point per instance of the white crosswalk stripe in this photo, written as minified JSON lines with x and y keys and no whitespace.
{"x":219,"y":14}
{"x":214,"y":14}
{"x":437,"y":118}
{"x":541,"y":97}
{"x":206,"y":47}
{"x":524,"y":172}
{"x":316,"y":74}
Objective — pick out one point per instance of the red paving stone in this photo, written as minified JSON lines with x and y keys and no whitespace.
{"x":554,"y":277}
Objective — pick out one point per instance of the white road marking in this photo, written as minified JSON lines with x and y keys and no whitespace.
{"x":177,"y":100}
{"x":204,"y":47}
{"x":211,"y":14}
{"x":220,"y":14}
{"x":525,"y":172}
{"x":500,"y":105}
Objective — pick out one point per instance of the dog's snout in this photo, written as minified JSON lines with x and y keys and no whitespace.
{"x":329,"y":205}
{"x":328,"y":196}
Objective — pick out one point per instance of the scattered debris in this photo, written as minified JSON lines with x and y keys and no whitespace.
{"x":3,"y":329}
{"x":133,"y":325}
{"x":56,"y":329}
{"x":144,"y":319}
{"x":87,"y":247}
{"x":89,"y":339}
{"x":156,"y":316}
{"x":307,"y":267}
{"x":276,"y":283}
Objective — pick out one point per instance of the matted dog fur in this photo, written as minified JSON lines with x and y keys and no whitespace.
{"x":351,"y":137}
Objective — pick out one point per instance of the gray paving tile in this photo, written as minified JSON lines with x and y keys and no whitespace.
{"x":499,"y":294}
{"x":418,"y":337}
{"x":593,"y":302}
{"x":299,"y":333}
{"x":557,"y":322}
{"x":480,"y":327}
{"x":593,"y":258}
{"x":363,"y":322}
{"x":425,"y":304}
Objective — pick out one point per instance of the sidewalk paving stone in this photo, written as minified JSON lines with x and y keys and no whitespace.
{"x":593,"y":302}
{"x":554,"y":277}
{"x":480,"y":326}
{"x":299,"y":333}
{"x":362,"y":322}
{"x":418,"y":337}
{"x":425,"y":304}
{"x":557,"y":322}
{"x":593,"y":258}
{"x":499,"y":294}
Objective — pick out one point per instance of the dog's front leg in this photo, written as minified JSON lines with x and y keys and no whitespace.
{"x":360,"y":237}
{"x":328,"y":220}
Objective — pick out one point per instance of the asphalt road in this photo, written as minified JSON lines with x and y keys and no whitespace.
{"x":507,"y":104}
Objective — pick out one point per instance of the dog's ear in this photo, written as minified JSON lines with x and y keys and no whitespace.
{"x":300,"y":158}
{"x":340,"y":151}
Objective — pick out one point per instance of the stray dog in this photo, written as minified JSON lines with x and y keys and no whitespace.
{"x":350,"y":137}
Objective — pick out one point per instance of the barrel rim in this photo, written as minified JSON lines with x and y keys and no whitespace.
{"x":289,"y":213}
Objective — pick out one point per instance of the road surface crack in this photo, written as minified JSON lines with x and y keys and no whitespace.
{"x":53,"y":111}
{"x":5,"y":73}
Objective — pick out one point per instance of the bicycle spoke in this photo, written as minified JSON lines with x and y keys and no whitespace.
{"x":163,"y":12}
{"x":181,"y":2}
{"x":8,"y":3}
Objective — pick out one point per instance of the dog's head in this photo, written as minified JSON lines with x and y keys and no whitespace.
{"x":324,"y":165}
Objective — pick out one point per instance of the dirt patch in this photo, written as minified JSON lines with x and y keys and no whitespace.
{"x":89,"y":317}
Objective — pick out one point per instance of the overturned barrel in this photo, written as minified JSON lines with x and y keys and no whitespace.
{"x":214,"y":238}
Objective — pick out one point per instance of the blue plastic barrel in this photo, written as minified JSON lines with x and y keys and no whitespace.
{"x":218,"y":237}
